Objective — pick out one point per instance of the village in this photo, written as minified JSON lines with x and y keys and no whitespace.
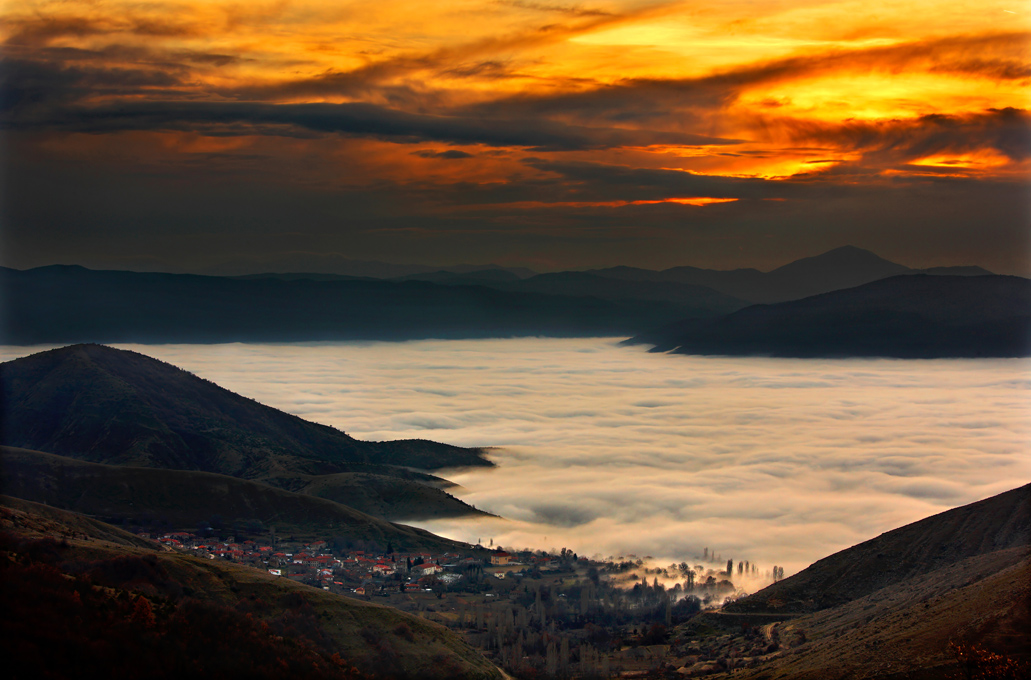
{"x":534,"y":613}
{"x":346,"y":571}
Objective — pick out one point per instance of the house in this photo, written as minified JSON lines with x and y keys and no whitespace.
{"x":499,"y":558}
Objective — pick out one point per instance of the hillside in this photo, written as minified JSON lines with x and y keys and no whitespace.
{"x":80,"y":604}
{"x":910,"y":316}
{"x":387,"y":497}
{"x":186,"y":499}
{"x":114,"y":406}
{"x":998,"y":523}
{"x":910,"y":604}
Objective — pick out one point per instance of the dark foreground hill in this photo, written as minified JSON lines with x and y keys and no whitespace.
{"x":939,"y":598}
{"x":114,"y":406}
{"x":998,"y":523}
{"x":185,"y":499}
{"x":81,"y":599}
{"x":912,"y":316}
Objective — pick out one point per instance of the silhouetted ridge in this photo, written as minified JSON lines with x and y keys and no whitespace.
{"x":187,"y":498}
{"x":837,"y":269}
{"x":115,"y":406}
{"x":911,"y":316}
{"x":65,"y":305}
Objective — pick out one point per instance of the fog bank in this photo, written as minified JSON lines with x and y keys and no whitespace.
{"x":610,"y":450}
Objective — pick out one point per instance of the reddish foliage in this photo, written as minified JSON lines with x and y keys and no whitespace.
{"x":56,"y":625}
{"x":977,"y":663}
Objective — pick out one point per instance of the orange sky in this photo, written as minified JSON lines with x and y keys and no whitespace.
{"x":529,"y":115}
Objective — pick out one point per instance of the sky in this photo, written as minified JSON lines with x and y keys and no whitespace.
{"x":227,"y":137}
{"x":613,"y":450}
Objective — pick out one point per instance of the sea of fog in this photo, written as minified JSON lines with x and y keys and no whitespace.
{"x":611,"y":450}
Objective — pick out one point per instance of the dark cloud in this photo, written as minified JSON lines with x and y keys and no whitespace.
{"x":1008,"y":131}
{"x":575,"y":10}
{"x":25,"y":84}
{"x":450,"y":154}
{"x":356,"y":119}
{"x":41,"y":29}
{"x":489,"y":69}
{"x":602,"y":181}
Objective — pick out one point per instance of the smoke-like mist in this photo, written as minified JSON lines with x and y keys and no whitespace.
{"x":614,"y":451}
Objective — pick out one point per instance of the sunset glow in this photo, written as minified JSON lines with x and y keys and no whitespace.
{"x":529,"y":106}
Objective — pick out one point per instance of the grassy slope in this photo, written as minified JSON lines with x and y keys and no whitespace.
{"x":996,"y":523}
{"x":905,"y":630}
{"x":381,"y":496}
{"x":375,"y":638}
{"x":889,"y":607}
{"x":185,"y":498}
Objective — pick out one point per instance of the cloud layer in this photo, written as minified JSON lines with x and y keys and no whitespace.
{"x":613,"y":451}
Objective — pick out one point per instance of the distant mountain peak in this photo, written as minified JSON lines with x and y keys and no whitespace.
{"x":845,"y":255}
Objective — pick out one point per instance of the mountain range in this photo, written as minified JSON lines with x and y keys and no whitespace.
{"x":66,"y":304}
{"x":845,"y":267}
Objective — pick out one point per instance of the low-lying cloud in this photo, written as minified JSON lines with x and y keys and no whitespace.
{"x":615,"y":451}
